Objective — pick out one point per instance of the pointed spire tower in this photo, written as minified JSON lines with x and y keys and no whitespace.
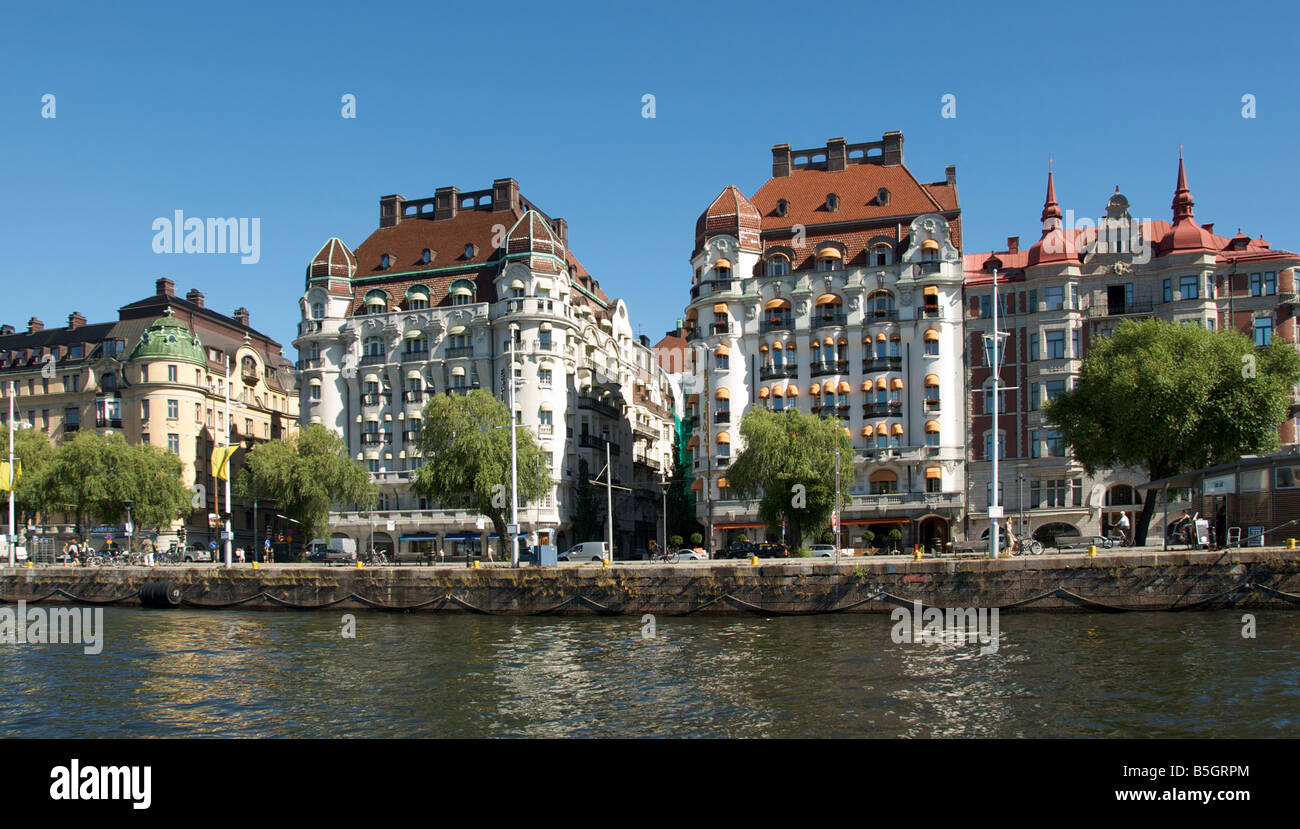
{"x":1186,"y":234}
{"x":1056,"y":244}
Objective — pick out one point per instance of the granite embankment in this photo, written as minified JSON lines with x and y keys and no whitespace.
{"x":1110,"y":581}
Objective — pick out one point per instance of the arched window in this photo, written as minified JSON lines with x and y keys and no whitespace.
{"x":882,"y":255}
{"x":931,"y":343}
{"x":462,"y":292}
{"x":318,"y":310}
{"x":829,"y":309}
{"x":830,"y":259}
{"x":929,"y":251}
{"x":778,"y":265}
{"x":374,"y":347}
{"x":884,"y":482}
{"x":377,"y":302}
{"x":417,"y":298}
{"x":108,"y":382}
{"x":881,"y":304}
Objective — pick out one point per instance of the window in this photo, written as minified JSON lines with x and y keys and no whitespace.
{"x":173,"y":443}
{"x":1168,"y":294}
{"x":76,"y":351}
{"x":72,"y":417}
{"x":827,"y":263}
{"x":1035,"y":439}
{"x":426,"y":256}
{"x":721,"y":361}
{"x":544,"y":376}
{"x":173,"y":409}
{"x":1075,"y":352}
{"x":986,"y":307}
{"x":1033,"y":347}
{"x":171,"y":374}
{"x":385,"y":261}
{"x":144,"y":438}
{"x":931,"y":348}
{"x":144,"y":409}
{"x":1053,"y":389}
{"x":1033,"y":300}
{"x":1270,"y":283}
{"x":882,"y":255}
{"x":1055,"y":445}
{"x":372,"y":466}
{"x":782,"y":207}
{"x":1076,"y":492}
{"x":198,"y":412}
{"x":1055,"y":344}
{"x":778,"y":265}
{"x":544,"y":417}
{"x":45,"y":419}
{"x":45,"y":384}
{"x":1002,"y":496}
{"x":1054,"y":297}
{"x":1263,"y":331}
{"x":1055,"y":491}
{"x":1189,"y":286}
{"x":1257,"y":284}
{"x":318,"y":310}
{"x":1035,"y":495}
{"x":832,"y":202}
{"x":988,"y":447}
{"x":988,"y":400}
{"x":315,"y":393}
{"x":248,"y":426}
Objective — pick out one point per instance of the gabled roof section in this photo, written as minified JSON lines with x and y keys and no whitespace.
{"x":334,"y":259}
{"x":732,"y":214}
{"x":532,"y":238}
{"x":858,"y":187}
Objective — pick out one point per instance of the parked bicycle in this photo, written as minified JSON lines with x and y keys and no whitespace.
{"x":373,"y":556}
{"x":1031,"y":546}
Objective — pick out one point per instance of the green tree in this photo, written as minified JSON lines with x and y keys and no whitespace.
{"x":306,"y":475}
{"x":33,"y":453}
{"x":466,"y":443}
{"x":681,"y":501}
{"x":789,"y":464}
{"x":94,"y":476}
{"x":1168,"y":398}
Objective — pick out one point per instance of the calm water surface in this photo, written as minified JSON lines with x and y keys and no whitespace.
{"x":291,"y":674}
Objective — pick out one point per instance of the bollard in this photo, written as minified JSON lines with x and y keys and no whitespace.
{"x":476,"y":565}
{"x":753,"y":560}
{"x":254,"y":564}
{"x":916,"y":553}
{"x":359,"y":564}
{"x":1290,"y":543}
{"x":1092,"y":549}
{"x":29,"y":564}
{"x":604,"y":564}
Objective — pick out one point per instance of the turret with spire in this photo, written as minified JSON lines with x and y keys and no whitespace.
{"x":1186,"y":234}
{"x":1056,"y":244}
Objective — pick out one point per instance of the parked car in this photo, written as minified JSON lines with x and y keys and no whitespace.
{"x":197,"y":552}
{"x":687,"y":554}
{"x":773,"y":550}
{"x":822,"y":550}
{"x":739,"y":549}
{"x":587,"y":551}
{"x":1077,"y":542}
{"x":332,"y":551}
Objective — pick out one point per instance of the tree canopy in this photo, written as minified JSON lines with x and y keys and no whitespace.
{"x":306,"y":475}
{"x":95,"y":476}
{"x":465,"y":441}
{"x":33,"y":453}
{"x":1168,"y":398}
{"x":789,"y":464}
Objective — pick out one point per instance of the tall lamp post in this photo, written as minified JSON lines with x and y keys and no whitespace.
{"x":226,"y":462}
{"x":993,"y":346}
{"x":514,"y":455}
{"x":13,"y":561}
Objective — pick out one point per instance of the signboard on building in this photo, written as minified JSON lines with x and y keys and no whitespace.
{"x":1221,"y":485}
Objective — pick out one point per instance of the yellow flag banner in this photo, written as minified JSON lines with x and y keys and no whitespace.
{"x":4,"y":474}
{"x":221,"y":456}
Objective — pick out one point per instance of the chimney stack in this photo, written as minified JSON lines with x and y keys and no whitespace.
{"x":891,"y":151}
{"x":837,"y":155}
{"x":561,"y":228}
{"x":390,"y":210}
{"x":34,"y":325}
{"x":950,"y":172}
{"x":446,"y":200}
{"x":1013,"y":244}
{"x":241,"y":316}
{"x":780,"y":161}
{"x":76,"y":320}
{"x":195,"y":296}
{"x":505,"y":195}
{"x":165,"y":287}
{"x":6,"y":330}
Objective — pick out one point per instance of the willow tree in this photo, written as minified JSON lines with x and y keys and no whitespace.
{"x":465,"y":442}
{"x":788,"y":463}
{"x":307,"y":475}
{"x":1168,"y":398}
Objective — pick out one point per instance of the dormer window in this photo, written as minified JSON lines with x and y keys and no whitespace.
{"x":782,"y":207}
{"x":426,"y":256}
{"x":882,"y":195}
{"x":832,"y":202}
{"x":882,"y":255}
{"x":470,"y":251}
{"x":385,"y":261}
{"x":778,"y":265}
{"x":722,"y":269}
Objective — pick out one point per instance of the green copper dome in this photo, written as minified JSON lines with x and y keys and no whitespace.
{"x":168,"y":339}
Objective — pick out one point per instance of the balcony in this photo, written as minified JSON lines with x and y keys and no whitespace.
{"x":415,"y":356}
{"x":460,"y":351}
{"x":71,"y":427}
{"x":413,"y":396}
{"x":718,"y":328}
{"x":461,"y":390}
{"x":649,"y":463}
{"x":823,"y":319}
{"x":594,"y":405}
{"x":375,"y":399}
{"x":712,"y":287}
{"x":783,"y":323}
{"x":105,"y":423}
{"x":929,"y":267}
{"x":931,"y":312}
{"x":1141,"y":308}
{"x":905,"y":500}
{"x":310,"y":327}
{"x":775,"y":372}
{"x":376,"y":438}
{"x":1056,"y":366}
{"x":825,"y":367}
{"x":546,"y":429}
{"x":590,"y":441}
{"x":313,"y":362}
{"x":644,"y":430}
{"x":882,"y":315}
{"x":890,"y":409}
{"x":882,"y":364}
{"x":932,"y":404}
{"x":373,"y":359}
{"x":410,"y":435}
{"x":721,"y":417}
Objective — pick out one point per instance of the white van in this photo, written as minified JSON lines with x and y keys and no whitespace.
{"x":588,"y":551}
{"x":336,"y":549}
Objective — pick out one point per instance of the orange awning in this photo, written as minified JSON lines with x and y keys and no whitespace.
{"x":898,"y":428}
{"x":931,"y":427}
{"x":720,"y":308}
{"x":724,"y":437}
{"x":721,"y":351}
{"x":828,"y":299}
{"x":933,"y":472}
{"x":932,"y":379}
{"x":791,"y":391}
{"x":882,"y":429}
{"x":723,"y":483}
{"x":882,"y":383}
{"x":931,"y":336}
{"x":763,"y":393}
{"x":697,"y":485}
{"x":844,"y":387}
{"x":722,"y":263}
{"x":815,"y":388}
{"x":829,"y":253}
{"x":723,"y":394}
{"x":896,"y":384}
{"x":776,"y":303}
{"x":881,"y":476}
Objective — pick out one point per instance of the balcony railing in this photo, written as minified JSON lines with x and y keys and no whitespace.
{"x":373,"y":359}
{"x":311,"y":362}
{"x":829,"y":367}
{"x":882,"y":364}
{"x":410,"y":435}
{"x":375,"y":438}
{"x":310,"y":327}
{"x":776,"y":324}
{"x":719,"y":328}
{"x":375,"y":399}
{"x":650,"y":463}
{"x":596,"y":406}
{"x":72,"y":427}
{"x":460,"y":351}
{"x":105,"y":423}
{"x":722,"y":417}
{"x":774,"y":372}
{"x":931,"y":311}
{"x":822,"y":319}
{"x":461,"y":390}
{"x":590,"y":441}
{"x":545,"y":428}
{"x":882,"y":409}
{"x":713,"y":286}
{"x":932,"y":404}
{"x":929,"y":267}
{"x":1138,"y":308}
{"x":882,"y":314}
{"x":895,"y":500}
{"x":413,"y":396}
{"x":415,"y":356}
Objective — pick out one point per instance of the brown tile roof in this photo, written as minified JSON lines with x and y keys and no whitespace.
{"x":857,"y":187}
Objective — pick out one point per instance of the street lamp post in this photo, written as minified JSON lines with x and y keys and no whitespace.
{"x":514,"y":456}
{"x":226,"y":462}
{"x":13,"y":561}
{"x":993,"y":343}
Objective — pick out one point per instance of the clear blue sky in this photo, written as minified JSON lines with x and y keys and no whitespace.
{"x":233,"y":109}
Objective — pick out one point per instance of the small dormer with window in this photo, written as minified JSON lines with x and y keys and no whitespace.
{"x":426,"y":257}
{"x":385,"y":262}
{"x":377,"y":302}
{"x":832,"y":202}
{"x":782,"y":207}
